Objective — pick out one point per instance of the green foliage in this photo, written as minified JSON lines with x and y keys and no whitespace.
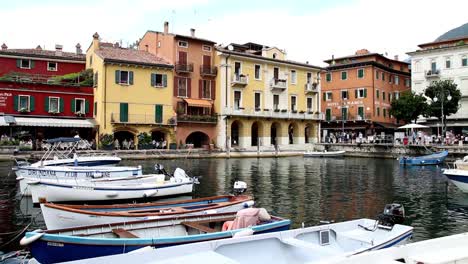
{"x":144,"y":138}
{"x":106,"y":139}
{"x":441,"y":90}
{"x":409,"y":106}
{"x":83,"y":78}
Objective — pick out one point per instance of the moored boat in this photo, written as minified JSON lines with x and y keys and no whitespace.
{"x":432,"y":159}
{"x":58,"y":216}
{"x":102,"y":240}
{"x":462,"y":164}
{"x":339,"y":153}
{"x":458,"y":177}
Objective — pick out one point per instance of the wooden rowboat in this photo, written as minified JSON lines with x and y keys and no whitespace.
{"x":338,"y":153}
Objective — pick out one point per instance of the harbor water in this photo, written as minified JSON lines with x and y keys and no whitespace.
{"x":306,"y":190}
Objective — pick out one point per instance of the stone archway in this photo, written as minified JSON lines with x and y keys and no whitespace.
{"x":198,"y":139}
{"x":256,"y":133}
{"x":275,"y":132}
{"x":236,"y":128}
{"x":293,"y":133}
{"x":124,"y":137}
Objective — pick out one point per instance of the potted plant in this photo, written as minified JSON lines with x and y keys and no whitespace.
{"x":106,"y":141}
{"x":144,"y":141}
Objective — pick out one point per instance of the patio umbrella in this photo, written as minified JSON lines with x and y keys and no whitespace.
{"x":412,"y":126}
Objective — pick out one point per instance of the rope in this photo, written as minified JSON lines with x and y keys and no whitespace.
{"x":19,"y":233}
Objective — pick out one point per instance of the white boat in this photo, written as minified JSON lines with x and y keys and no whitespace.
{"x":30,"y":173}
{"x":458,"y":177}
{"x":152,"y":185}
{"x":338,"y":153}
{"x":304,"y":245}
{"x":462,"y":164}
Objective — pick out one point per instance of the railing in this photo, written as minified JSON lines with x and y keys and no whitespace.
{"x":311,"y":87}
{"x":184,"y":67}
{"x":197,"y":119}
{"x":278,"y":83}
{"x":351,"y":117}
{"x":240,"y":80}
{"x":117,"y":118}
{"x":432,"y":74}
{"x":207,"y":70}
{"x":274,"y":113}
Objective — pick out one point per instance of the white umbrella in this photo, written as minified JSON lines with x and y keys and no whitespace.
{"x":413,"y":126}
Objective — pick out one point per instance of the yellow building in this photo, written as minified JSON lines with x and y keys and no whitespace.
{"x":133,"y":93}
{"x":265,"y":100}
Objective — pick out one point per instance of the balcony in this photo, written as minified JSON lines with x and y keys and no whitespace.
{"x":207,"y":119}
{"x":209,"y":71}
{"x":353,"y":118}
{"x":136,"y":119}
{"x":239,"y":80}
{"x":277,"y":83}
{"x":274,"y":113}
{"x":432,"y":74}
{"x":311,"y":87}
{"x":184,"y":67}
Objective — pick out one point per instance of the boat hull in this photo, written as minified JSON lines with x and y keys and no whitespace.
{"x":434,"y":159}
{"x":81,"y":161}
{"x":319,"y":154}
{"x":459,"y":178}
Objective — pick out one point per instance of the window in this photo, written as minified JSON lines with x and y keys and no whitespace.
{"x":328,"y":114}
{"x":377,"y":94}
{"x":258,"y":72}
{"x":328,"y":96}
{"x":383,"y":95}
{"x":237,"y":69}
{"x":361,"y":93}
{"x":433,"y":66}
{"x":447,"y":63}
{"x":360,"y":73}
{"x":158,"y":80}
{"x":25,"y":64}
{"x":91,"y":60}
{"x":24,"y":103}
{"x":258,"y":104}
{"x":328,"y":77}
{"x":464,"y":61}
{"x":52,"y":66}
{"x":309,"y":104}
{"x":293,"y":103}
{"x":124,"y":77}
{"x":397,"y":80}
{"x":274,"y":55}
{"x":237,"y":100}
{"x":390,"y":96}
{"x":384,"y":111}
{"x":182,"y":87}
{"x":397,"y":95}
{"x":407,"y":82}
{"x":344,"y":95}
{"x":344,"y":113}
{"x":377,"y":74}
{"x":54,"y":105}
{"x":344,"y":75}
{"x":158,"y":114}
{"x":309,"y":77}
{"x":159,"y":44}
{"x":183,"y":44}
{"x":276,"y":102}
{"x":390,"y":78}
{"x":383,"y":76}
{"x":79,"y":106}
{"x":378,"y":111}
{"x":95,"y":79}
{"x":293,"y":76}
{"x":123,"y":112}
{"x":206,"y":48}
{"x":95,"y":108}
{"x":206,"y":89}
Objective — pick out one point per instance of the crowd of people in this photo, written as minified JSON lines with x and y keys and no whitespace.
{"x":130,"y":144}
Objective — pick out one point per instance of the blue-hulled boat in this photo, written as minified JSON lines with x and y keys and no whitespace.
{"x":102,"y":240}
{"x":432,"y":159}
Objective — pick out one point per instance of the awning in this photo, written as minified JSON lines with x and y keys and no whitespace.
{"x":198,"y":102}
{"x":7,"y":120}
{"x":54,"y":122}
{"x":386,"y":125}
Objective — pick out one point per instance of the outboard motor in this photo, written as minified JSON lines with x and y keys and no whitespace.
{"x":393,"y":214}
{"x":239,"y":187}
{"x":159,"y":168}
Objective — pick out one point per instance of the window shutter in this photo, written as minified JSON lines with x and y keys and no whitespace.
{"x":189,"y":88}
{"x":324,"y":96}
{"x":213,"y":90}
{"x":31,"y":104}
{"x":158,"y":116}
{"x":365,"y":92}
{"x":164,"y":80}
{"x":130,"y":77}
{"x":176,"y":86}
{"x":73,"y":105}
{"x":95,"y":108}
{"x":123,"y":112}
{"x":46,"y":103}
{"x":18,"y":63}
{"x":16,"y":103}
{"x":32,"y":64}
{"x":62,"y":105}
{"x":86,"y":106}
{"x":200,"y":89}
{"x":117,"y":76}
{"x":153,"y":79}
{"x":356,"y":93}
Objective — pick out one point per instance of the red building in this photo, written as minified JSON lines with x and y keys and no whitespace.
{"x":45,"y":94}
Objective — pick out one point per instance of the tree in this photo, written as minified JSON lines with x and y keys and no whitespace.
{"x":442,"y":90}
{"x":409,"y":106}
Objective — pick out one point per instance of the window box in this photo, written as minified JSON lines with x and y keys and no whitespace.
{"x":79,"y":114}
{"x":266,"y":109}
{"x":277,"y":110}
{"x":23,"y":110}
{"x":284,"y":110}
{"x":54,"y":112}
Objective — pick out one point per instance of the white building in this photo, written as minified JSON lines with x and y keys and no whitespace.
{"x":444,"y":59}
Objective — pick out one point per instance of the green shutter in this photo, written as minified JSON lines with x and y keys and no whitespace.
{"x":16,"y":103}
{"x":360,"y":73}
{"x":365,"y":92}
{"x":73,"y":105}
{"x":328,"y":77}
{"x":158,"y":114}
{"x":46,"y":103}
{"x":153,"y":79}
{"x":324,"y":96}
{"x":164,"y":80}
{"x":356,"y":93}
{"x":32,"y":64}
{"x":62,"y":105}
{"x":86,"y":107}
{"x":130,"y":77}
{"x":123,"y":112}
{"x":31,"y":104}
{"x":95,"y":108}
{"x":18,"y":63}
{"x":328,"y":114}
{"x":117,"y":76}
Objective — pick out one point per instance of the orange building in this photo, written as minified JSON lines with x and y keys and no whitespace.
{"x":357,"y":92}
{"x":194,"y":82}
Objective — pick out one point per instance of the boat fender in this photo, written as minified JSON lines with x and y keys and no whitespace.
{"x":112,"y":194}
{"x":249,"y":204}
{"x":28,"y":240}
{"x":33,"y":182}
{"x":150,"y":193}
{"x":244,"y":233}
{"x":211,"y":212}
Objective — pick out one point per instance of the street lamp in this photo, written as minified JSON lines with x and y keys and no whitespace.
{"x":442,"y":99}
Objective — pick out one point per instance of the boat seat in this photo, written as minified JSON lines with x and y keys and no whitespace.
{"x":122,"y":233}
{"x":199,"y":227}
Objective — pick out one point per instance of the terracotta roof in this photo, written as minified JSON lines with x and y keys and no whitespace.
{"x":114,"y":54}
{"x":373,"y":54}
{"x":39,"y":53}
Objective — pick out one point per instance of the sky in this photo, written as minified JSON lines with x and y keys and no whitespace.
{"x":310,"y":31}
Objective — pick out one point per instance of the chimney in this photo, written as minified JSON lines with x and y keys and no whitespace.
{"x":192,"y":32}
{"x":396,"y":57}
{"x":96,"y":40}
{"x":58,"y":49}
{"x":38,"y":47}
{"x":4,"y":46}
{"x":116,"y":45}
{"x":78,"y":49}
{"x":333,"y":60}
{"x":166,"y":27}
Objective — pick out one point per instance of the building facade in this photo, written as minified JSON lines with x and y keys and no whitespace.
{"x":194,"y":89}
{"x":264,"y":99}
{"x":132,"y":93}
{"x":45,"y":94}
{"x":443,"y":59}
{"x":357,"y":92}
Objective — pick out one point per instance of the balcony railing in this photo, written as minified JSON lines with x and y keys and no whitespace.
{"x":184,"y":67}
{"x":239,"y":79}
{"x":311,"y":87}
{"x":212,"y":119}
{"x":142,"y":119}
{"x":350,"y":117}
{"x":207,"y":70}
{"x":432,"y":74}
{"x":278,"y":83}
{"x":274,"y":113}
